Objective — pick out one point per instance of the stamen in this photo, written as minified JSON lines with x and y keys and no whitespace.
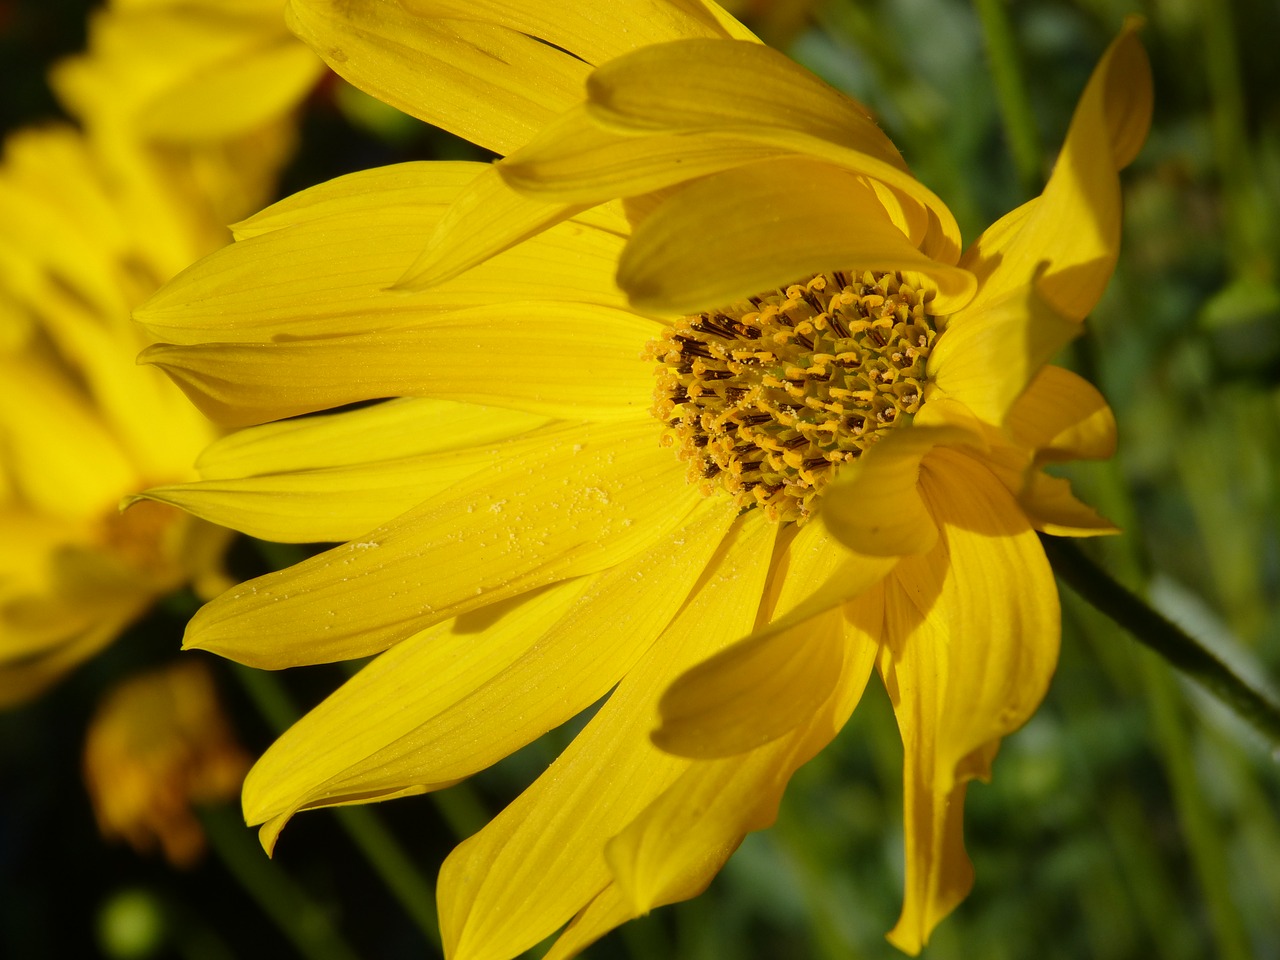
{"x":764,"y":399}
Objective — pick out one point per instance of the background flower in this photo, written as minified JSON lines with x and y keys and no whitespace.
{"x":81,"y":426}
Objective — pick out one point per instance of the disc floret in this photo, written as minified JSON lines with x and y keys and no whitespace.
{"x":765,"y":399}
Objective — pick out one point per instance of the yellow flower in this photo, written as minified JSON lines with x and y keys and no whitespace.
{"x":188,"y":71}
{"x":81,"y":426}
{"x":214,"y":84}
{"x":158,"y":745}
{"x":859,"y":412}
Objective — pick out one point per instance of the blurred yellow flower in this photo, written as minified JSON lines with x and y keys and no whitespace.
{"x":210,"y":84}
{"x":81,"y":426}
{"x":159,"y":745}
{"x":188,"y":71}
{"x":520,"y":542}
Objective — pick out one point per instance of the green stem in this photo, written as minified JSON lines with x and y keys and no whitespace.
{"x":411,"y":889}
{"x":1011,"y":94}
{"x":299,"y":918}
{"x":1152,"y":630}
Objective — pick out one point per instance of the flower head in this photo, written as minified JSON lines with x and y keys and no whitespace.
{"x":845,"y":467}
{"x":158,"y":745}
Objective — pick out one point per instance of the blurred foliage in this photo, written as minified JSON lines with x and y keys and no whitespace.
{"x":1132,"y":818}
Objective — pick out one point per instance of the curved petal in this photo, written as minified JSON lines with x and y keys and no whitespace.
{"x":482,"y":81}
{"x":1072,"y":230}
{"x":1063,"y":417}
{"x":485,"y":219}
{"x":1052,"y":508}
{"x":875,"y":506}
{"x":574,"y":160}
{"x":753,"y":92}
{"x":702,"y":247}
{"x":672,"y":850}
{"x":594,"y":497}
{"x":542,"y":859}
{"x":764,"y":686}
{"x":579,"y":27}
{"x":753,"y":693}
{"x":570,"y":360}
{"x":971,"y":641}
{"x":986,"y":360}
{"x":460,"y":696}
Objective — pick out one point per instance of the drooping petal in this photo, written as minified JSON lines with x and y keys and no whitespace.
{"x":592,"y":498}
{"x":715,"y":803}
{"x":756,"y":691}
{"x":480,"y":80}
{"x":763,"y":687}
{"x":1062,"y":416}
{"x":673,"y":849}
{"x":702,"y":247}
{"x":542,"y":860}
{"x":875,"y":506}
{"x":971,"y":640}
{"x":986,"y":360}
{"x":570,"y":360}
{"x":1052,"y":508}
{"x":1071,"y":232}
{"x":457,"y":697}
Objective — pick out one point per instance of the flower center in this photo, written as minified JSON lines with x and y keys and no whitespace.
{"x":766,"y":398}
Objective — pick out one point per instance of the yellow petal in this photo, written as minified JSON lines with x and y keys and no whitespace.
{"x":1072,"y":230}
{"x":578,"y":27}
{"x":985,"y":360}
{"x":542,"y":859}
{"x":460,"y":696}
{"x":319,"y":264}
{"x":698,"y":84}
{"x":263,"y":80}
{"x":1052,"y":508}
{"x":484,"y":82}
{"x":21,"y":682}
{"x":763,"y":687}
{"x":48,"y":434}
{"x":568,"y":360}
{"x":756,"y":691}
{"x":1063,"y":417}
{"x":702,"y":247}
{"x":874,"y":506}
{"x":385,"y":431}
{"x":329,"y":504}
{"x":672,"y":850}
{"x":574,"y":160}
{"x":594,"y":497}
{"x":752,"y":92}
{"x":971,"y":640}
{"x":486,"y":218}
